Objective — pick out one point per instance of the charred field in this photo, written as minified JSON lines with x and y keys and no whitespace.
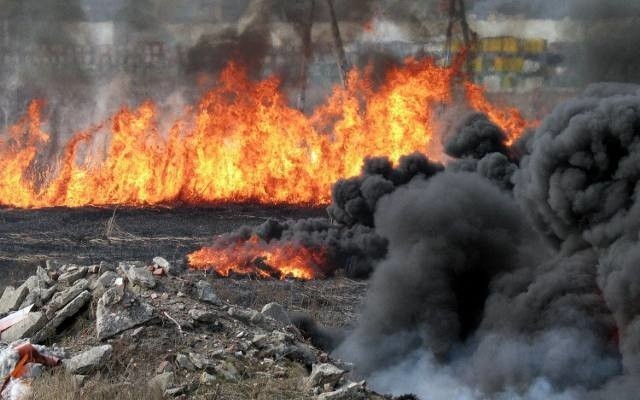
{"x":89,"y":235}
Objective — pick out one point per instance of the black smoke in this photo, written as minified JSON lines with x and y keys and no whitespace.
{"x":354,"y":200}
{"x":527,"y":294}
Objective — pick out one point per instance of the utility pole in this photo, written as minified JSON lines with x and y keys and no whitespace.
{"x":337,"y":40}
{"x":305,"y":33}
{"x":458,"y":15}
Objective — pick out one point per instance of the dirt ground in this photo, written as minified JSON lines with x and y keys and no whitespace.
{"x":90,"y":235}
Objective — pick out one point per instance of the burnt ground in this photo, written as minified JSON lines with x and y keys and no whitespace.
{"x":89,"y":235}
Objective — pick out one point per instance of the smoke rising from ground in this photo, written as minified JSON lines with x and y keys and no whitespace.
{"x":471,"y":302}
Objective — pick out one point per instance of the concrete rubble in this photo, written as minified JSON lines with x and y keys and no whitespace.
{"x":102,"y":314}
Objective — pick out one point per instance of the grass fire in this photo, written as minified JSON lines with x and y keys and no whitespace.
{"x":320,"y":199}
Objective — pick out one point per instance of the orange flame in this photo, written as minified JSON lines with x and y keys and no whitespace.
{"x":241,"y":142}
{"x":256,"y":257}
{"x":509,"y":118}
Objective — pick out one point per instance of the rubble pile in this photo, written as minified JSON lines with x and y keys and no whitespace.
{"x":105,"y":318}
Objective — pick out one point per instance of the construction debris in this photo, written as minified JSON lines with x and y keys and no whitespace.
{"x":103,"y":315}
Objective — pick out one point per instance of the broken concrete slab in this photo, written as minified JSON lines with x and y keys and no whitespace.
{"x":44,"y":276}
{"x":61,"y":299}
{"x":73,"y":275}
{"x":119,"y":310}
{"x":65,"y":313}
{"x":89,"y":361}
{"x":324,"y":374}
{"x":12,"y":298}
{"x":25,"y":328}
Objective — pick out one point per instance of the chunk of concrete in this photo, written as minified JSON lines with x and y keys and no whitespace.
{"x":68,"y":311}
{"x":142,"y":277}
{"x":62,"y":298}
{"x":118,"y":311}
{"x":205,"y":293}
{"x":25,"y":328}
{"x":324,"y":374}
{"x":89,"y":361}
{"x":12,"y":298}
{"x":71,"y":276}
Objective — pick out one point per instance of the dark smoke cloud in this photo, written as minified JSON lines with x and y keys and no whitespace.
{"x":354,"y":200}
{"x":479,"y":145}
{"x":476,"y":137}
{"x":431,"y":287}
{"x":472,"y":303}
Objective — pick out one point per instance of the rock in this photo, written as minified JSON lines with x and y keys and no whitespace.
{"x":141,"y":277}
{"x":88,"y":361}
{"x":164,"y":366}
{"x":52,"y":265}
{"x":119,"y":310}
{"x":200,"y":362}
{"x":202,"y":316}
{"x":12,"y":298}
{"x":185,"y":362}
{"x":167,"y":267}
{"x":47,"y":294}
{"x":44,"y":276}
{"x":65,"y":313}
{"x":107,"y":266}
{"x":34,"y":282}
{"x":279,"y":345}
{"x":324,"y":374}
{"x":350,"y":391}
{"x":228,"y":371}
{"x":125,"y":265}
{"x":71,"y":276}
{"x":104,"y":282}
{"x":163,"y":381}
{"x":206,"y":294}
{"x":248,"y":316}
{"x":25,"y":328}
{"x":208,"y":379}
{"x":61,"y":299}
{"x":94,"y":269}
{"x":33,"y":298}
{"x":276,"y":312}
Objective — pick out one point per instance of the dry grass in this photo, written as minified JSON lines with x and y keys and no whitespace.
{"x":61,"y":386}
{"x":332,"y":302}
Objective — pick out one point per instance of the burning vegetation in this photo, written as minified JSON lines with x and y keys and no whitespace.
{"x":242,"y":142}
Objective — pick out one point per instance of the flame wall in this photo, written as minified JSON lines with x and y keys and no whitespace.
{"x":241,"y":142}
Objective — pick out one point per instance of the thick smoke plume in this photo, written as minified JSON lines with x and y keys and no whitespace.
{"x":354,"y":200}
{"x":531,"y":294}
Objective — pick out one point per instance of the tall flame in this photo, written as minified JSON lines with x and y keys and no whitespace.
{"x":241,"y":142}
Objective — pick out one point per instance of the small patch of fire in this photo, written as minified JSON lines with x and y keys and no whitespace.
{"x":280,"y":260}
